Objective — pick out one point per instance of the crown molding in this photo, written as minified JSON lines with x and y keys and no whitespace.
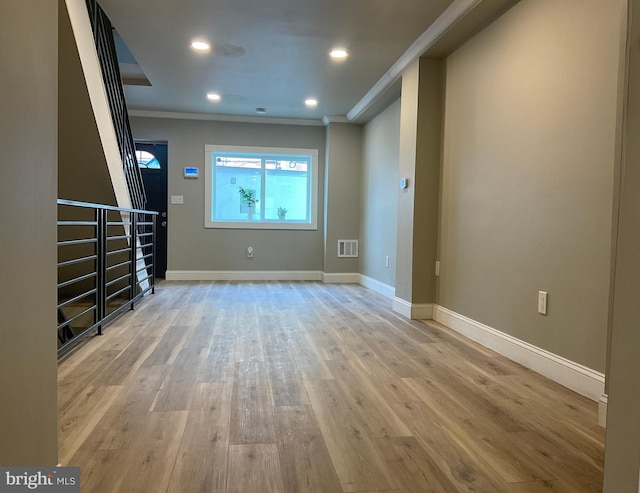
{"x":224,"y":118}
{"x":456,"y":25}
{"x":334,"y":119}
{"x":456,"y":11}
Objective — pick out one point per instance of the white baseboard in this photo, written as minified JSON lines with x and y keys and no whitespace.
{"x":221,"y":275}
{"x":340,"y":277}
{"x":377,"y":286}
{"x":402,"y":307}
{"x":422,"y":311}
{"x":578,"y":378}
{"x":602,"y":410}
{"x":414,"y":311}
{"x":326,"y":277}
{"x":254,"y":275}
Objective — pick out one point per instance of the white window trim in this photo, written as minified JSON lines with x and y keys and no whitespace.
{"x":291,"y":225}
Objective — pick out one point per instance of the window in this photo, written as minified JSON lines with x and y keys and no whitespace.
{"x":260,"y":188}
{"x":147,"y":160}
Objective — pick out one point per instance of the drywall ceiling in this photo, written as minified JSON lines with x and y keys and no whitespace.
{"x":267,"y":53}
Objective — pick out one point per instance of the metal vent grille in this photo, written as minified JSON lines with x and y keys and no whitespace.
{"x":347,"y":248}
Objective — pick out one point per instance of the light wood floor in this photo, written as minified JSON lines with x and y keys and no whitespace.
{"x":212,"y":387}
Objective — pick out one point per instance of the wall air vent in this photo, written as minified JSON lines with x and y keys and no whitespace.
{"x":347,"y":248}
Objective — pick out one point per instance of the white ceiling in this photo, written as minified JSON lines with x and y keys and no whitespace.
{"x":268,"y":53}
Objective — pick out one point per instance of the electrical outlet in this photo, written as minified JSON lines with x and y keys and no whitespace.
{"x":542,"y":302}
{"x":437,"y":267}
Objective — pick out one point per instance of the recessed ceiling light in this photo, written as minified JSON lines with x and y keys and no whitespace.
{"x":338,"y":54}
{"x":212,"y":96}
{"x":311,"y":103}
{"x":200,"y":46}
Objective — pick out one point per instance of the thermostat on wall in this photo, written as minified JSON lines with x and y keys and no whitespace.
{"x":191,"y":172}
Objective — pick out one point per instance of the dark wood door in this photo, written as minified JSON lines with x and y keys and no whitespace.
{"x":155,"y":183}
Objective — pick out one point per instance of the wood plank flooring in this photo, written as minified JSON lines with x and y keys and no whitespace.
{"x":306,"y":387}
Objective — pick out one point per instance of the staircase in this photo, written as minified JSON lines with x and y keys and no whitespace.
{"x":106,"y":253}
{"x":105,"y":46}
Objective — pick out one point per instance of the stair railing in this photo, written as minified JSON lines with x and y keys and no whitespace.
{"x":106,"y":49}
{"x":106,"y":263}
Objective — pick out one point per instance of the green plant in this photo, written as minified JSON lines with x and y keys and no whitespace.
{"x":282,"y":211}
{"x":247,"y":196}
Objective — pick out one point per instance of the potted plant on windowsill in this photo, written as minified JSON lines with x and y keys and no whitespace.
{"x":282,"y":213}
{"x":248,"y":199}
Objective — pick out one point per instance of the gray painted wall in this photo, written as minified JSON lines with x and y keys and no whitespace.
{"x":622,"y":460}
{"x":406,"y":169}
{"x":82,"y":170}
{"x":427,"y":179}
{"x":190,"y":245}
{"x":529,"y":153}
{"x":28,"y":136}
{"x":380,"y":180}
{"x":342,"y":193}
{"x":421,"y":113}
{"x":620,"y":130}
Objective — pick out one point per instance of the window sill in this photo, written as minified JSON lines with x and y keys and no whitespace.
{"x":286,"y":225}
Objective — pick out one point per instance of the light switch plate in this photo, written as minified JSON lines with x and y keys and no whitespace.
{"x":177,"y":199}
